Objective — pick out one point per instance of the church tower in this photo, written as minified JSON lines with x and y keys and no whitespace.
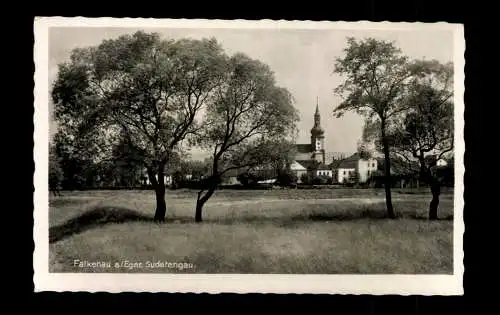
{"x":318,"y":138}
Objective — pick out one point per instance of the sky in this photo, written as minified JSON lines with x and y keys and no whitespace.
{"x":302,"y":60}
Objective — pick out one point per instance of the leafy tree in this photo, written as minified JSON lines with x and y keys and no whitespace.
{"x":246,"y":178}
{"x":305,"y":179}
{"x":250,"y":117}
{"x":195,"y":168}
{"x":286,"y":178}
{"x":78,"y":159}
{"x":282,"y":156}
{"x":56,"y":174}
{"x":320,"y":179}
{"x":376,"y":74}
{"x":149,"y":89}
{"x":425,"y":133}
{"x":125,"y":164}
{"x":363,"y":151}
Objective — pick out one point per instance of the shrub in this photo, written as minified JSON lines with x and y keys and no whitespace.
{"x":321,"y":180}
{"x":247,"y":179}
{"x":286,"y":178}
{"x":304,"y":179}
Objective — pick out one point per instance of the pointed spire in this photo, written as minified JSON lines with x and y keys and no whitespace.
{"x":317,"y":130}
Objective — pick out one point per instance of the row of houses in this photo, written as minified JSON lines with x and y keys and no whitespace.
{"x":340,"y":171}
{"x":310,"y":159}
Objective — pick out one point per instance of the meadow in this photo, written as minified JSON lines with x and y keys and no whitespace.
{"x":319,"y":231}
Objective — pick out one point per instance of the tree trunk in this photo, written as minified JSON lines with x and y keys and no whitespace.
{"x":434,"y":184}
{"x":161,"y":205}
{"x":387,"y":171}
{"x":433,"y":207}
{"x":159,"y":187}
{"x":200,"y":202}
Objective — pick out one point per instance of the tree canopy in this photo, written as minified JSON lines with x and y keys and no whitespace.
{"x":376,"y":74}
{"x":249,"y":119}
{"x":148,"y":89}
{"x":425,"y":132}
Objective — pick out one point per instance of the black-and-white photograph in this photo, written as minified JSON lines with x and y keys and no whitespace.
{"x":237,"y":148}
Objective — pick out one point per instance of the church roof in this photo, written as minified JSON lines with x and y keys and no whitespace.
{"x":317,"y":130}
{"x":308,"y":164}
{"x":350,"y":162}
{"x":304,"y":148}
{"x":313,"y":165}
{"x":323,"y":167}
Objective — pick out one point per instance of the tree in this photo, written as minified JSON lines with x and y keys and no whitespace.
{"x":282,"y":156}
{"x":77,"y":158}
{"x":305,"y":179}
{"x":363,"y":151}
{"x":376,"y":74}
{"x":250,"y":117}
{"x":286,"y":178}
{"x":149,"y":89}
{"x":425,"y":133}
{"x":124,"y":163}
{"x":56,"y":174}
{"x":195,"y":168}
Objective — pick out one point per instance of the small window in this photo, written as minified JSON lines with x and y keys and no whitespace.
{"x":344,"y":172}
{"x":373,"y":165}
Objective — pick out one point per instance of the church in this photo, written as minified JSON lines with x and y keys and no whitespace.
{"x":311,"y":157}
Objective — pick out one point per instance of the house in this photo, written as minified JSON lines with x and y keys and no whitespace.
{"x":298,"y":169}
{"x":167,"y":180}
{"x":313,"y":168}
{"x":348,"y":167}
{"x":323,"y":170}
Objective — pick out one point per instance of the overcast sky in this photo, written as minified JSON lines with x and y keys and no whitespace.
{"x":301,"y":59}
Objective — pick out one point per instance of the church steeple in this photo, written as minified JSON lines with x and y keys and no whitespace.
{"x":318,"y":137}
{"x":317,"y":117}
{"x":317,"y":130}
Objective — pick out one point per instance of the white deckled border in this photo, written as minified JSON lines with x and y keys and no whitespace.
{"x":237,"y":283}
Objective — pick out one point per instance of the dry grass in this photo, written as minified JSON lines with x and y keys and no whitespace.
{"x":283,"y":231}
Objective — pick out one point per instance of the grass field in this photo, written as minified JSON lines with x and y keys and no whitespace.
{"x":329,"y":231}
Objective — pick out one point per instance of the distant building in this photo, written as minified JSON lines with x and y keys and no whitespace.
{"x":315,"y":150}
{"x":167,"y":180}
{"x":311,"y":167}
{"x":298,"y":168}
{"x":441,"y":163}
{"x":354,"y":163}
{"x":310,"y":158}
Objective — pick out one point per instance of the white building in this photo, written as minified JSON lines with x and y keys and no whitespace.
{"x":354,"y":163}
{"x":167,"y":180}
{"x":441,"y":163}
{"x":298,"y":169}
{"x":324,"y":170}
